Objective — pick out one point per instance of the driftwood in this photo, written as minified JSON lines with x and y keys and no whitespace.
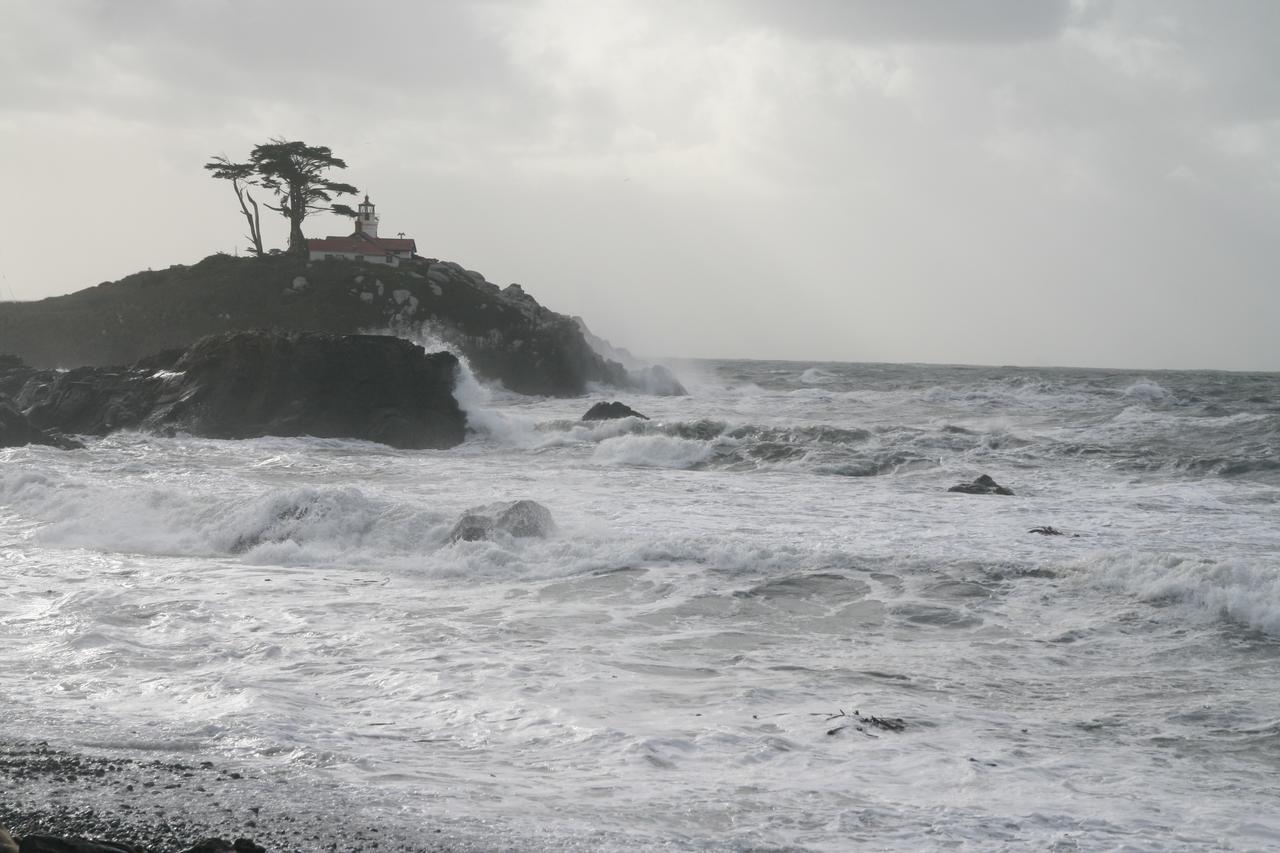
{"x":861,"y":723}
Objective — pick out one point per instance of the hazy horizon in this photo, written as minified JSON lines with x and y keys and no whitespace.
{"x":1076,"y":184}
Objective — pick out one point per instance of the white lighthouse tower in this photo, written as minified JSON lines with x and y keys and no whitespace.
{"x":366,"y":219}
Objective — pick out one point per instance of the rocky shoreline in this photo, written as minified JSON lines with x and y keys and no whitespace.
{"x":131,"y":804}
{"x":246,"y":385}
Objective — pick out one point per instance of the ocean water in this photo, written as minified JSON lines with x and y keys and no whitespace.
{"x":691,"y":661}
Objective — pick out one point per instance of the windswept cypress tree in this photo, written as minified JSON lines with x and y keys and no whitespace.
{"x":241,"y":176}
{"x":295,"y":173}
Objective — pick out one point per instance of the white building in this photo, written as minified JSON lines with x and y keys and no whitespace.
{"x":364,"y":244}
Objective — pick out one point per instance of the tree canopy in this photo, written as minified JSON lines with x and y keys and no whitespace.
{"x":295,"y":173}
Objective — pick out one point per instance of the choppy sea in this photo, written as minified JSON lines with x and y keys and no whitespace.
{"x":734,"y":589}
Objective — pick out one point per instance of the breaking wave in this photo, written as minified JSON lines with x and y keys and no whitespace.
{"x":1241,"y":591}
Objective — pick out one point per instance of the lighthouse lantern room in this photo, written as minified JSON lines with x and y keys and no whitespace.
{"x":366,"y":218}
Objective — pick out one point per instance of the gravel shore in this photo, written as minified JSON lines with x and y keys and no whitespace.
{"x":157,"y":806}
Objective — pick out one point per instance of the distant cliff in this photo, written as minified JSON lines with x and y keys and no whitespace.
{"x":504,"y":333}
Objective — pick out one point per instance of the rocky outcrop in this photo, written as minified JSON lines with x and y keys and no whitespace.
{"x":250,"y":384}
{"x":504,"y":333}
{"x":983,"y":485}
{"x":17,"y":431}
{"x":611,"y":411}
{"x":512,"y":518}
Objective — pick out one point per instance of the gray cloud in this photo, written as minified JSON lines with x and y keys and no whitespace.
{"x":871,"y":21}
{"x":1088,"y":183}
{"x":155,"y":59}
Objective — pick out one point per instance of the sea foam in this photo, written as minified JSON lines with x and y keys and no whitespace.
{"x":1239,"y":590}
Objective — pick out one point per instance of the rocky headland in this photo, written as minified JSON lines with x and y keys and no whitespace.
{"x":246,"y":385}
{"x":504,"y":333}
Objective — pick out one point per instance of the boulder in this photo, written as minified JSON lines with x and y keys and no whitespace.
{"x":512,"y":518}
{"x":611,"y":411}
{"x":250,"y":384}
{"x":983,"y":485}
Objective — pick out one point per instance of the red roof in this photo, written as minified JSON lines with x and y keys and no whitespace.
{"x":363,"y":244}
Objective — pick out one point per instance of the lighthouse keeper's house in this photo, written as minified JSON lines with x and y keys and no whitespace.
{"x":364,"y":244}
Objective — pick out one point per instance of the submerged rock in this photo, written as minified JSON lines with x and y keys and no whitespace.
{"x":513,"y":518}
{"x":983,"y":485}
{"x":251,"y":384}
{"x":611,"y":411}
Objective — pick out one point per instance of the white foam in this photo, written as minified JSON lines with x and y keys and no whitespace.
{"x":1239,"y":590}
{"x":1147,"y":390}
{"x":658,"y":673}
{"x":817,"y":376}
{"x":657,"y":451}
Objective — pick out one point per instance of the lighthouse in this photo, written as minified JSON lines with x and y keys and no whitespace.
{"x":364,"y":244}
{"x":366,"y":219}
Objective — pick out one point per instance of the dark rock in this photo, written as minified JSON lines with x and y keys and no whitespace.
{"x":611,"y":411}
{"x":250,"y":384}
{"x":91,"y":400}
{"x":504,"y":333}
{"x":212,"y":845}
{"x":50,"y":844}
{"x":14,"y":374}
{"x":219,"y":845}
{"x":513,"y":518}
{"x":983,"y":485}
{"x":16,"y":430}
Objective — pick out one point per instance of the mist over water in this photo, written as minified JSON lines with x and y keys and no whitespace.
{"x":668,"y":670}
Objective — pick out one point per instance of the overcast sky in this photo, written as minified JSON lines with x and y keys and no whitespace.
{"x":993,"y":181}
